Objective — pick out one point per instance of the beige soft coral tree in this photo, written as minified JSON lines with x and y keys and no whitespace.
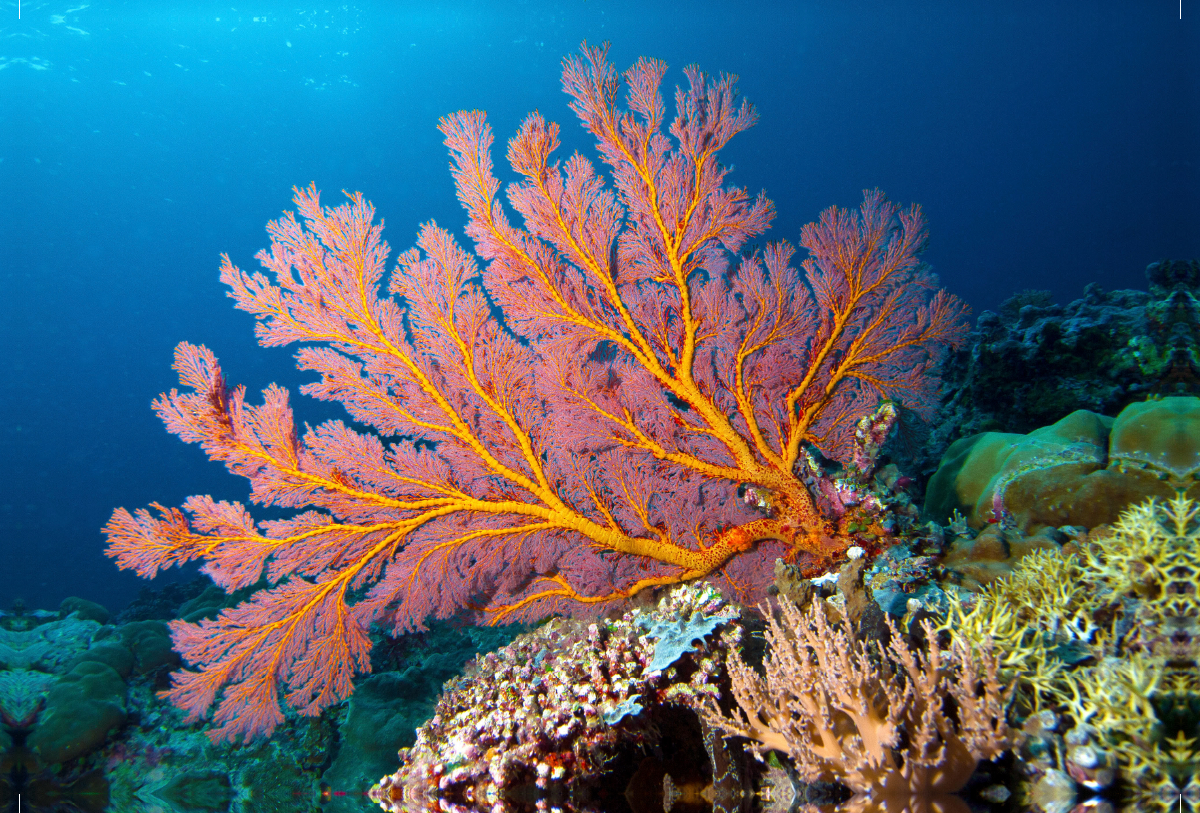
{"x":902,"y":728}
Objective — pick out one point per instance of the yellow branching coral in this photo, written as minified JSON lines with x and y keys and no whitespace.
{"x":1153,"y":557}
{"x":873,"y":718}
{"x":1110,"y":638}
{"x":1034,"y":617}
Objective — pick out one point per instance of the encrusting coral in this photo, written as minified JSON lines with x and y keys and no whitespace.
{"x":875,"y":718}
{"x":542,"y":716}
{"x":1108,"y":638}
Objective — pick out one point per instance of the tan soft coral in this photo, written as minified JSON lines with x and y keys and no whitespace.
{"x":877,"y":719}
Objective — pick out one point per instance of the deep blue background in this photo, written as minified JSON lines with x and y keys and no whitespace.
{"x":1052,"y":144}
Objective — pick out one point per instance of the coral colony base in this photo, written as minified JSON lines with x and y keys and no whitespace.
{"x":612,"y":418}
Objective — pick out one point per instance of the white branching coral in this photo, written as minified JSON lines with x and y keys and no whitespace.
{"x":900,"y":727}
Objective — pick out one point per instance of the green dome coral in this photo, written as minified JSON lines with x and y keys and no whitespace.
{"x":1109,"y":638}
{"x":1079,"y":471}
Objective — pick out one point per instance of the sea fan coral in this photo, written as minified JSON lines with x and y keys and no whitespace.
{"x":556,"y":421}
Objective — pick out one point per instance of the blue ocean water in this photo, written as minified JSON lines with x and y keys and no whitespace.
{"x":1052,"y":144}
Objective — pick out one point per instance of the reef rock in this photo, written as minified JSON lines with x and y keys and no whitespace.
{"x":1034,"y":361}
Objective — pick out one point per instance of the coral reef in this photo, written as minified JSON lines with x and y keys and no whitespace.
{"x":389,"y":706}
{"x":84,"y":732}
{"x":1103,"y":644}
{"x":972,"y":561}
{"x":543,"y":715}
{"x":1034,"y":362}
{"x":64,"y":676}
{"x":569,"y":444}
